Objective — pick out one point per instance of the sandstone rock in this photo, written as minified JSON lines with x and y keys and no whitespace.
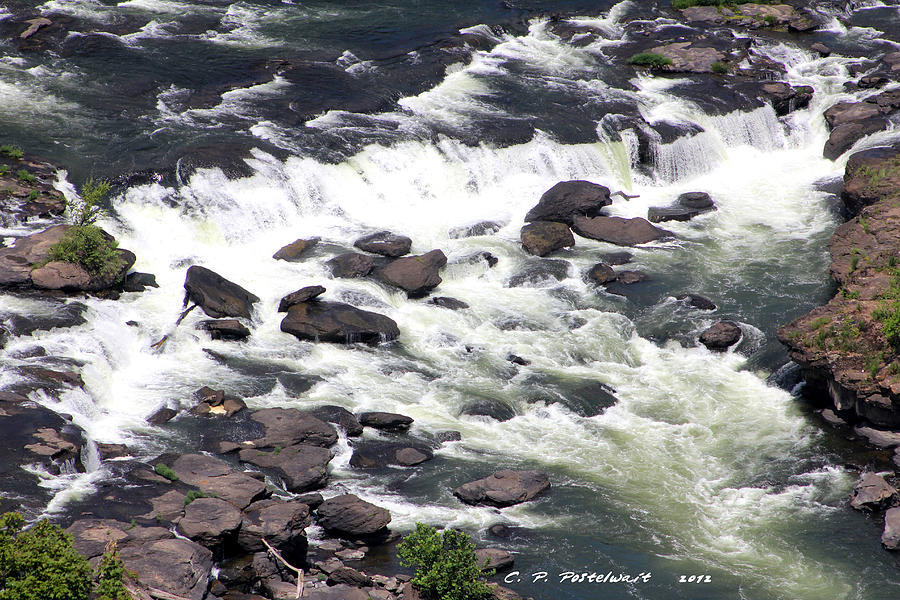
{"x":690,"y":58}
{"x":339,"y":323}
{"x":337,"y":592}
{"x":720,"y":336}
{"x":871,"y":492}
{"x":416,"y":275}
{"x":877,"y":437}
{"x":351,"y":265}
{"x":340,"y":416}
{"x":349,"y":516}
{"x":224,"y":329}
{"x":16,"y":261}
{"x":301,"y":467}
{"x":698,"y":200}
{"x":163,"y":415}
{"x":304,"y":294}
{"x":174,"y":565}
{"x":289,"y":426}
{"x":58,"y":275}
{"x":217,"y":296}
{"x":849,"y":112}
{"x":214,"y":476}
{"x":503,"y":488}
{"x":378,"y":454}
{"x":601,"y":274}
{"x":823,"y":50}
{"x":210,"y":521}
{"x":785,"y":98}
{"x":385,"y":421}
{"x":494,"y":558}
{"x":844,"y":136}
{"x":890,"y":538}
{"x":568,"y":199}
{"x":348,"y":576}
{"x":543,"y":237}
{"x":385,"y":243}
{"x":295,"y":250}
{"x":618,"y":230}
{"x":282,"y":524}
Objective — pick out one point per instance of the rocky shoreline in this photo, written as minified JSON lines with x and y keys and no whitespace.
{"x":199,"y":525}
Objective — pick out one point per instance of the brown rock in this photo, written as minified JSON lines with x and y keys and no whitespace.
{"x":890,"y":538}
{"x":871,"y":492}
{"x":209,"y":521}
{"x":543,"y":237}
{"x":494,"y":558}
{"x":601,"y":274}
{"x":214,"y":476}
{"x":289,"y":426}
{"x":338,"y":323}
{"x":224,"y":329}
{"x":720,"y":336}
{"x":568,"y":199}
{"x":503,"y":488}
{"x":58,"y":275}
{"x":217,"y":296}
{"x":301,"y":467}
{"x":351,"y":265}
{"x":305,"y":294}
{"x":385,"y":421}
{"x":416,"y":275}
{"x":295,"y":250}
{"x":349,"y":516}
{"x":385,"y":243}
{"x":618,"y":230}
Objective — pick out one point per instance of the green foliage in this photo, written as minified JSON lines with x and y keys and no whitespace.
{"x":864,"y":223}
{"x":12,"y":151}
{"x":167,"y":472}
{"x":40,"y":563}
{"x":719,"y":67}
{"x":770,"y":19}
{"x":445,"y":563}
{"x":649,"y":59}
{"x":25,"y":176}
{"x":854,"y":262}
{"x":89,"y":247}
{"x":850,"y":294}
{"x":194,"y":494}
{"x":86,"y":209}
{"x":894,"y":368}
{"x":33,"y":195}
{"x":110,"y":576}
{"x":5,"y":170}
{"x":819,"y":323}
{"x":889,"y":315}
{"x":873,"y":364}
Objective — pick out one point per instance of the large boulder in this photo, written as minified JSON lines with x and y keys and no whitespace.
{"x":282,"y":524}
{"x":224,"y":329}
{"x":338,"y":322}
{"x":720,"y":336}
{"x":601,"y":273}
{"x":17,"y":261}
{"x":844,"y":136}
{"x":385,"y":421}
{"x":351,"y":265}
{"x":568,"y":199}
{"x":503,"y":488}
{"x":618,"y":230}
{"x":340,"y":416}
{"x":543,"y":237}
{"x":215,"y":477}
{"x":210,"y":521}
{"x":872,"y":492}
{"x":301,"y":467}
{"x":217,"y":296}
{"x":350,"y":516}
{"x":690,"y":57}
{"x":385,"y":243}
{"x":416,"y":275}
{"x":289,"y":426}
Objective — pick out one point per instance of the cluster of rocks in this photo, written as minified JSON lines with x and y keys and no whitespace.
{"x":873,"y":494}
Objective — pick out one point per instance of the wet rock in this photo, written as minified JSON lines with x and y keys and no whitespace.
{"x":448,"y":436}
{"x":163,"y":415}
{"x":785,"y":98}
{"x":214,"y":476}
{"x":540,"y":272}
{"x":631,"y":277}
{"x":50,"y":378}
{"x":58,"y":275}
{"x":313,"y":500}
{"x":385,"y":421}
{"x":518,"y":360}
{"x":494,"y":558}
{"x":878,"y":437}
{"x":874,"y":80}
{"x":697,"y":301}
{"x":301,"y":467}
{"x":350,"y":554}
{"x":690,"y":57}
{"x":720,"y":336}
{"x":282,"y":524}
{"x":844,"y":136}
{"x":618,"y":230}
{"x":478,"y":229}
{"x":378,"y":454}
{"x":830,"y":417}
{"x":617,"y":258}
{"x":543,"y":237}
{"x":486,"y":407}
{"x":294,"y":251}
{"x":340,"y":416}
{"x":861,"y":190}
{"x":823,"y":50}
{"x":289,"y":426}
{"x":111,"y":451}
{"x":224,"y":329}
{"x":52,"y":444}
{"x":218,"y":404}
{"x":416,"y":275}
{"x":349,"y":516}
{"x":139,"y":282}
{"x":449,"y":303}
{"x":503,"y":488}
{"x":210,"y":522}
{"x":890,"y":538}
{"x":659,"y":214}
{"x":304,"y":294}
{"x":385,"y":243}
{"x":339,"y":323}
{"x":568,"y":199}
{"x":348,"y":576}
{"x":696,"y":200}
{"x":843,"y":113}
{"x":871,"y":493}
{"x":336,"y":592}
{"x":351,"y":265}
{"x":217,"y":296}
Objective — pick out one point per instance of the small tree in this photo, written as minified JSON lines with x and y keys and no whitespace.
{"x":445,"y":564}
{"x":110,"y":575}
{"x":86,"y":209}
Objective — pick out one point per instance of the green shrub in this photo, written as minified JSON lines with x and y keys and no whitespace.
{"x":5,"y":170}
{"x":164,"y":471}
{"x":40,"y":563}
{"x":194,"y":494}
{"x":89,"y":247}
{"x":12,"y":151}
{"x":86,"y":209}
{"x":650,"y":59}
{"x":719,"y":67}
{"x":445,"y":564}
{"x":33,"y":195}
{"x":110,"y":577}
{"x":770,"y":19}
{"x":25,"y":176}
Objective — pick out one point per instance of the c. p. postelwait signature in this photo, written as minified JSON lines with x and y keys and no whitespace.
{"x":583,"y":577}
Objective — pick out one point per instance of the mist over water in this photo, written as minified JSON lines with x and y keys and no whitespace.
{"x":700,"y":468}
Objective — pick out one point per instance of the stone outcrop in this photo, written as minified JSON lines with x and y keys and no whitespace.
{"x":618,"y":230}
{"x":349,"y":516}
{"x":385,"y":421}
{"x":503,"y":488}
{"x":289,"y":427}
{"x":301,"y":467}
{"x":385,"y":243}
{"x":872,"y":492}
{"x":339,"y":323}
{"x":568,"y":199}
{"x":416,"y":275}
{"x":217,"y":296}
{"x":304,"y":294}
{"x":721,"y":336}
{"x":543,"y":237}
{"x":295,"y":250}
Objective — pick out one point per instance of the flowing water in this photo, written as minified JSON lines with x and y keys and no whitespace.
{"x":702,"y":467}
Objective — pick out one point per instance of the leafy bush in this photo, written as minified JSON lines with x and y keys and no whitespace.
{"x":719,"y":67}
{"x":445,"y":563}
{"x":889,"y":316}
{"x":89,"y":247}
{"x":86,"y":209}
{"x":25,"y":176}
{"x":164,"y":471}
{"x":5,"y":170}
{"x":12,"y":151}
{"x":110,"y":575}
{"x":650,"y":59}
{"x":40,"y":563}
{"x":194,"y":494}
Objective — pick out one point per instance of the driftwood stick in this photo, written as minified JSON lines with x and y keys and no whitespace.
{"x":624,"y":195}
{"x":288,"y":565}
{"x":184,"y":314}
{"x":161,"y":595}
{"x":159,"y":345}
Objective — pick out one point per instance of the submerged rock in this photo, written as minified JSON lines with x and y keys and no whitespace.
{"x":478,"y":229}
{"x":540,"y":272}
{"x":449,"y":303}
{"x":339,"y":323}
{"x":503,"y":488}
{"x":340,"y":416}
{"x":217,"y":296}
{"x":224,"y":329}
{"x":568,"y":199}
{"x":697,"y":301}
{"x":543,"y":237}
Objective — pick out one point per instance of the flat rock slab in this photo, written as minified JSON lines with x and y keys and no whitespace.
{"x":289,"y":427}
{"x":543,"y":237}
{"x":871,"y":492}
{"x":209,"y":521}
{"x":301,"y":467}
{"x":224,"y":329}
{"x":618,"y":230}
{"x":336,"y":592}
{"x":878,"y":437}
{"x":348,"y":515}
{"x":659,"y":214}
{"x":385,"y":243}
{"x":338,"y":323}
{"x":217,"y":296}
{"x":890,"y":539}
{"x":304,"y":294}
{"x":177,"y":566}
{"x":215,"y":476}
{"x":568,"y":199}
{"x":503,"y":488}
{"x":416,"y":275}
{"x":385,"y":421}
{"x":16,"y":261}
